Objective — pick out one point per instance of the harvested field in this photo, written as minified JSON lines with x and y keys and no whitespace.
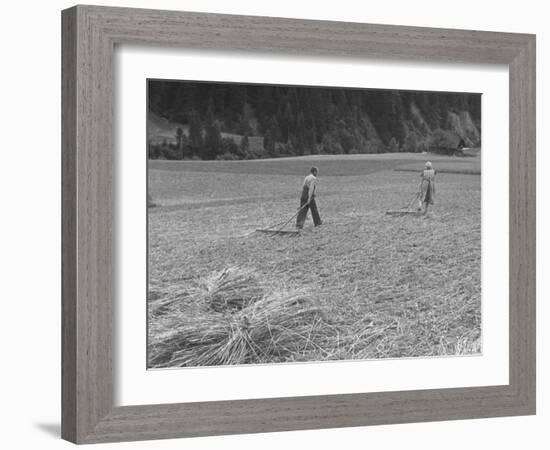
{"x":368,"y":285}
{"x":467,"y":166}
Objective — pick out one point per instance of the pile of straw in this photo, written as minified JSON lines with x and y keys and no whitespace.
{"x":233,"y":288}
{"x":279,"y":325}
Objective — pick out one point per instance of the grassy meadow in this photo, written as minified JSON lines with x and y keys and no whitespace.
{"x":363,"y":285}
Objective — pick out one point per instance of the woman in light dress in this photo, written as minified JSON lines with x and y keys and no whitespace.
{"x":427,"y":187}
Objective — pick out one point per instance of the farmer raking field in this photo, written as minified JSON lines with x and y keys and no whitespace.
{"x":364,"y":284}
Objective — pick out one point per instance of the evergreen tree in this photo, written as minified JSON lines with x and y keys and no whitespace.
{"x":179,"y":141}
{"x":269,"y":143}
{"x":245,"y":146}
{"x":287,"y":122}
{"x":212,"y":135}
{"x":195,"y":132}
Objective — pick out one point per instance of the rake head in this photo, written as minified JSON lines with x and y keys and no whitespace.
{"x":274,"y":232}
{"x":407,"y":209}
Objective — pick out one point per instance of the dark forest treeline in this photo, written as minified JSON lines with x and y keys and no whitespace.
{"x":220,"y":121}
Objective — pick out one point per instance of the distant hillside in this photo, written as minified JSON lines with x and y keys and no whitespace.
{"x":234,"y":121}
{"x":161,"y":129}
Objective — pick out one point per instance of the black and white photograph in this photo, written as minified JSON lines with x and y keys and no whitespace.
{"x":275,"y":225}
{"x":292,"y":224}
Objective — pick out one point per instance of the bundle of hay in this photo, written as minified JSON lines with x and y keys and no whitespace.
{"x":230,"y":289}
{"x":278,"y":326}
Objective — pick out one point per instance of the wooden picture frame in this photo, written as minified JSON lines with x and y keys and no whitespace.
{"x":90,"y":34}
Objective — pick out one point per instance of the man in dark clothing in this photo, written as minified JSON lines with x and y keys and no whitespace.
{"x":307,"y":200}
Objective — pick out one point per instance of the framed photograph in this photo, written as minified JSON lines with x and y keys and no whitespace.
{"x":277,"y":224}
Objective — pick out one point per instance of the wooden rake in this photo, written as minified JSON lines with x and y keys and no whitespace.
{"x":278,"y":227}
{"x":405,"y":210}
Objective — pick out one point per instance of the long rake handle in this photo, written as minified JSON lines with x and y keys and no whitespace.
{"x":412,"y":201}
{"x":288,"y":221}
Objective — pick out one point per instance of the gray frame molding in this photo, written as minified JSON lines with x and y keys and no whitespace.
{"x":89,"y":36}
